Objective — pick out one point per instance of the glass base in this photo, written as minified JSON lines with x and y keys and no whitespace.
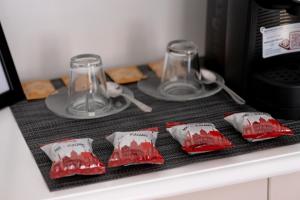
{"x":82,"y":108}
{"x":58,"y":104}
{"x":178,"y":89}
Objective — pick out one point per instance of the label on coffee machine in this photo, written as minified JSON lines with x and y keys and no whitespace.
{"x":280,"y":40}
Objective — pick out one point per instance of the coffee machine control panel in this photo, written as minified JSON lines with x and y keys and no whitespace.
{"x":256,"y":47}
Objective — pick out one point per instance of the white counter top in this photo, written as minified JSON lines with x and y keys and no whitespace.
{"x":20,"y":177}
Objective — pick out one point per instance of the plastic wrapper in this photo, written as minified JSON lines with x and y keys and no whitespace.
{"x":257,"y":126}
{"x":134,"y":147}
{"x":71,"y":157}
{"x":198,"y":138}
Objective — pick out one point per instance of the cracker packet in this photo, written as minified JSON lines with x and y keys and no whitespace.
{"x":124,"y":75}
{"x":157,"y":67}
{"x":39,"y":89}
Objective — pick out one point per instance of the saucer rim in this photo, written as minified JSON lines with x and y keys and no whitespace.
{"x":63,"y":112}
{"x":159,"y":96}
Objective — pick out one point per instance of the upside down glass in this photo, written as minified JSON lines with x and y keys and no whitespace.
{"x":178,"y":79}
{"x":87,"y":87}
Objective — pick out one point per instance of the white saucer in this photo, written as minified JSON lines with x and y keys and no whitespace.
{"x":57,"y":103}
{"x":151,"y":86}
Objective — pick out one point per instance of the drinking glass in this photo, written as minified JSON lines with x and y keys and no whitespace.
{"x":178,"y":80}
{"x":87,"y":88}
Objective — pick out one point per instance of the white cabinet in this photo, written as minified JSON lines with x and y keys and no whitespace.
{"x":286,"y":187}
{"x":256,"y":190}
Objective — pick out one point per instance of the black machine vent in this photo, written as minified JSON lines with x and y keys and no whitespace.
{"x":289,"y":74}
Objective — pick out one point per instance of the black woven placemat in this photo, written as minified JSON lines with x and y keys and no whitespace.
{"x":39,"y":126}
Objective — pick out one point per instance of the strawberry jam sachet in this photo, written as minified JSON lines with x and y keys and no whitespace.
{"x":257,"y":126}
{"x":134,"y":147}
{"x":198,"y":138}
{"x":71,"y":157}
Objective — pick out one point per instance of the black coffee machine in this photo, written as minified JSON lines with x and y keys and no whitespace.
{"x":255,"y":45}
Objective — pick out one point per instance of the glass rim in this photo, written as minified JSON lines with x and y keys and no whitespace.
{"x":86,"y":60}
{"x":172,"y":49}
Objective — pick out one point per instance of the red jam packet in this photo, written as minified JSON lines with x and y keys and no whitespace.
{"x":198,"y":138}
{"x":257,"y":126}
{"x":134,"y":147}
{"x":71,"y":157}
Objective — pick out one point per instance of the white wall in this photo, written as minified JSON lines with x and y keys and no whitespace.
{"x":44,"y":34}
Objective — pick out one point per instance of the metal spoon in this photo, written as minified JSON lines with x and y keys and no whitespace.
{"x":114,"y":90}
{"x":207,"y":77}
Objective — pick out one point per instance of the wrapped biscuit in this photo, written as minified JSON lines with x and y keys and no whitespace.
{"x":198,"y":138}
{"x":73,"y":157}
{"x":257,"y":126}
{"x":134,"y":147}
